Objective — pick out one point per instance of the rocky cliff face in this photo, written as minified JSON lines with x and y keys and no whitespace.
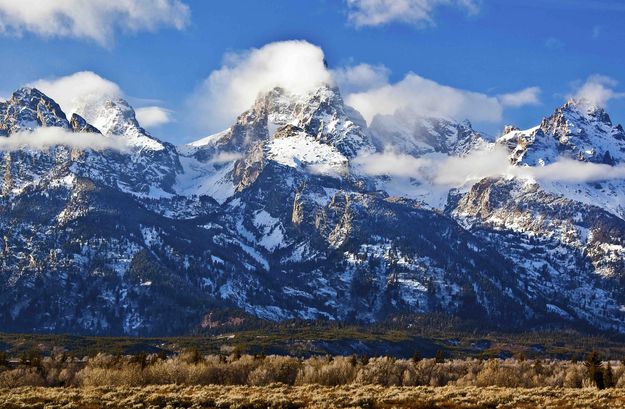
{"x":577,"y":130}
{"x":416,"y":135}
{"x":28,"y":109}
{"x":270,"y":216}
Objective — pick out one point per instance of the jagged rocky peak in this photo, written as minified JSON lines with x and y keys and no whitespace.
{"x":79,"y":124}
{"x":588,"y":109}
{"x":115,"y":117}
{"x":417,"y":135}
{"x":567,"y":120}
{"x":577,"y":130}
{"x":509,"y":128}
{"x":320,"y":113}
{"x":29,"y":108}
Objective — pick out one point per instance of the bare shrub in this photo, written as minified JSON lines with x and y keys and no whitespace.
{"x":190,"y":368}
{"x":382,"y":371}
{"x":23,"y":376}
{"x":275,"y":369}
{"x":322,"y":371}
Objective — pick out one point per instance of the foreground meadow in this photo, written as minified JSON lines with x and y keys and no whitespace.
{"x":192,"y":380}
{"x":309,"y":396}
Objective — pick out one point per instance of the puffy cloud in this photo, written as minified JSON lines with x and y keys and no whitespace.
{"x":568,"y":170}
{"x":428,"y":98}
{"x":294,"y":65}
{"x":299,"y":66}
{"x":361,"y":77}
{"x":393,"y":163}
{"x":418,"y":12}
{"x":224,"y":157}
{"x":45,"y":138}
{"x":598,"y":90}
{"x":80,"y":88}
{"x":153,"y":116}
{"x":527,"y":96}
{"x":437,"y":168}
{"x":85,"y":88}
{"x":453,"y":171}
{"x":95,"y":20}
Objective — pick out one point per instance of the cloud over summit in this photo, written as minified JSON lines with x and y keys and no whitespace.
{"x":84,"y":88}
{"x":297,"y":66}
{"x":598,"y":90}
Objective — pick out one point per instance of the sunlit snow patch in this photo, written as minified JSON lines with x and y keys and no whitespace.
{"x":302,"y":151}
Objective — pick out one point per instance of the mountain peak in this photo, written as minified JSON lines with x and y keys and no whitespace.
{"x":27,"y":109}
{"x":115,"y":117}
{"x":577,"y":130}
{"x":79,"y":124}
{"x":587,"y":109}
{"x":417,"y":135}
{"x":320,"y":113}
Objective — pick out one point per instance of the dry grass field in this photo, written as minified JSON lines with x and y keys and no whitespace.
{"x":309,"y":396}
{"x":193,"y":380}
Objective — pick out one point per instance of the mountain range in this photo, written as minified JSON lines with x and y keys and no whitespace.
{"x":281,"y":216}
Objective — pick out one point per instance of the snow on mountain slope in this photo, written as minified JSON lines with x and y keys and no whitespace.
{"x":299,"y":150}
{"x":415,"y":135}
{"x":209,"y":179}
{"x":27,"y":109}
{"x":577,"y":130}
{"x":273,"y":216}
{"x":115,"y":118}
{"x":569,"y":252}
{"x":310,"y":132}
{"x":320,"y":114}
{"x":608,"y":195}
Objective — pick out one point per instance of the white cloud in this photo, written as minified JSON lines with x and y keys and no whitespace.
{"x":568,"y":170}
{"x":361,"y":77}
{"x":437,"y":168}
{"x":96,"y":20}
{"x":84,"y":88}
{"x":45,"y":138}
{"x":527,"y":96}
{"x":428,"y":98}
{"x":598,"y":90}
{"x":418,"y":12}
{"x":153,"y":116}
{"x":224,"y":157}
{"x":81,"y":88}
{"x":452,"y":171}
{"x":393,"y":163}
{"x":294,"y":65}
{"x":299,"y":67}
{"x":456,"y":171}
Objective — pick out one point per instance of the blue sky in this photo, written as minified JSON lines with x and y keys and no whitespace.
{"x":492,"y":47}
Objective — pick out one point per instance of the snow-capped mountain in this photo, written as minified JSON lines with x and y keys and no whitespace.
{"x":416,"y":135}
{"x":578,"y":130}
{"x":28,"y":109}
{"x":272,"y":216}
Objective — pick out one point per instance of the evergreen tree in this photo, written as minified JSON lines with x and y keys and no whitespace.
{"x":440,"y":356}
{"x":608,"y":377}
{"x":593,"y":367}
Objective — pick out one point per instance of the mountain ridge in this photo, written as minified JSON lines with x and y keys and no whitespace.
{"x":270,"y":216}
